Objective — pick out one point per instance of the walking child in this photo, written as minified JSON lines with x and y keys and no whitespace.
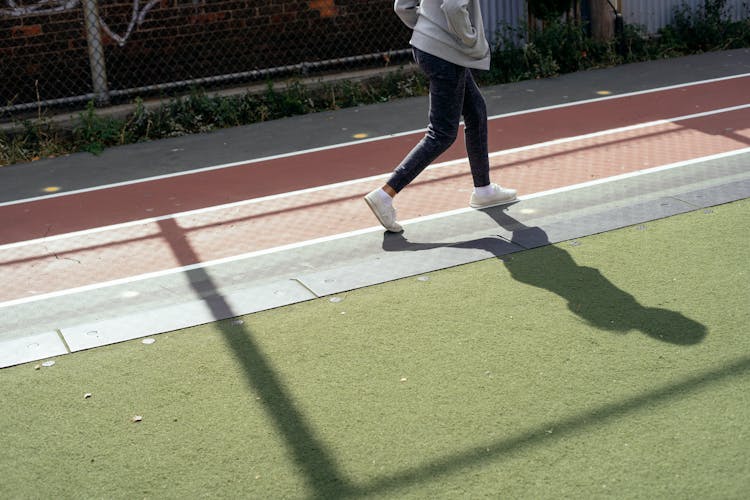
{"x":448,"y":41}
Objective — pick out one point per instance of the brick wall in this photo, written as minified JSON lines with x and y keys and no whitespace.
{"x":182,"y":39}
{"x":38,"y":52}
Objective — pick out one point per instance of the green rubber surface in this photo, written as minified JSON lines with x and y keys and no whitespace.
{"x":617,"y":365}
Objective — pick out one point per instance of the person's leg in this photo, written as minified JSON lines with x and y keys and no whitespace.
{"x":447,"y":83}
{"x":486,"y":194}
{"x":475,"y":132}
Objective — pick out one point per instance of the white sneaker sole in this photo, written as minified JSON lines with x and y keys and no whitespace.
{"x":494,"y":203}
{"x":395,"y":228}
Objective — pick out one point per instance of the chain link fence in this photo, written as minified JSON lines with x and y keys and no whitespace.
{"x":68,"y":52}
{"x":65,"y":53}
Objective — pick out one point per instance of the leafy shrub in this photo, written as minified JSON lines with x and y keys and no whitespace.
{"x":94,"y":133}
{"x":707,"y":28}
{"x":549,"y":9}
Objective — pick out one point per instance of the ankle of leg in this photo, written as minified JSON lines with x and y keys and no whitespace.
{"x":484,"y":190}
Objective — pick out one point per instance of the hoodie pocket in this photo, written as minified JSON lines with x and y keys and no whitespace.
{"x":465,"y":23}
{"x":460,"y":22}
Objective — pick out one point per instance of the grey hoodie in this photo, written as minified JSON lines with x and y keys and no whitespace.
{"x":450,"y":29}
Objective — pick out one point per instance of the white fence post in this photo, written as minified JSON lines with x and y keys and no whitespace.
{"x":96,"y":51}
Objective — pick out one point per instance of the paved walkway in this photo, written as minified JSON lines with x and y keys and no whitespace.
{"x":153,"y":237}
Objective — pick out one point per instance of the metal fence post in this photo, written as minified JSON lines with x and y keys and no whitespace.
{"x":96,"y":52}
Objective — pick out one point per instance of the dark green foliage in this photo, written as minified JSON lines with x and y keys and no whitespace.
{"x":561,"y":47}
{"x":94,"y":132}
{"x":34,"y":139}
{"x":707,"y":28}
{"x":549,"y":9}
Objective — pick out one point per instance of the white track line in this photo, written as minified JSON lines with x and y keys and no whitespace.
{"x":299,"y":192}
{"x":363,"y":141}
{"x":226,"y":260}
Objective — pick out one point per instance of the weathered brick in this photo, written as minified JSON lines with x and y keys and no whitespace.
{"x":283,"y":18}
{"x":207,"y":17}
{"x":325,"y":8}
{"x":26,"y":31}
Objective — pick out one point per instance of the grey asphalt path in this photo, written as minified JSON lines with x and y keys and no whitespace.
{"x":137,"y":161}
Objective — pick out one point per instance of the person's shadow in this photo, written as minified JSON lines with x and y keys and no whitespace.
{"x":589,"y":294}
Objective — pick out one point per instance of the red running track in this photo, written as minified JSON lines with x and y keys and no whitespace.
{"x":64,"y":214}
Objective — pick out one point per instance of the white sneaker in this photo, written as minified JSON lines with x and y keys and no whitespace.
{"x":499,"y":196}
{"x":385,"y":212}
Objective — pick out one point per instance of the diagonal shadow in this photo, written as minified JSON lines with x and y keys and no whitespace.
{"x":319,"y":468}
{"x":561,"y":429}
{"x":588,"y":293}
{"x":716,"y":125}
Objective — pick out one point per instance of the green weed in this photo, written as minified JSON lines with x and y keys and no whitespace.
{"x":36,"y":139}
{"x":94,"y":133}
{"x":707,"y":28}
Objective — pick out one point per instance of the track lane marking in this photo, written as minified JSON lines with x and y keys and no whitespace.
{"x":291,"y":246}
{"x":226,"y":206}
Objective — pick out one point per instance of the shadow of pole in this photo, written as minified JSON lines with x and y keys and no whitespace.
{"x":560,"y":429}
{"x":321,"y":473}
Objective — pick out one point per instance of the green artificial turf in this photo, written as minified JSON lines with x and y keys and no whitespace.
{"x":617,"y":366}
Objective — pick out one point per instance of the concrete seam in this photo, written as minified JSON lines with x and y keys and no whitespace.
{"x":62,"y":339}
{"x":677,"y":198}
{"x":307,"y":287}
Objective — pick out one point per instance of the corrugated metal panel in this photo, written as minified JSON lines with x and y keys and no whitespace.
{"x":652,"y":14}
{"x":498,"y":12}
{"x":655,"y":14}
